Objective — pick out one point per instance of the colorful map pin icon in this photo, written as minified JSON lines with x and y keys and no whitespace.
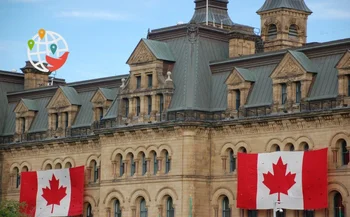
{"x":41,"y":33}
{"x":53,"y":48}
{"x":31,"y":44}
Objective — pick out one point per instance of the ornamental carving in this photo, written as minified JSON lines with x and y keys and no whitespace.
{"x":141,"y":55}
{"x":192,"y":32}
{"x":290,"y":69}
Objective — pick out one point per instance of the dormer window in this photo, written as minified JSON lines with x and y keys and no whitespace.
{"x":161,"y":103}
{"x":298,"y":92}
{"x":56,"y":120}
{"x":66,"y":119}
{"x":23,"y":124}
{"x":238,"y":99}
{"x":138,"y":106}
{"x":283,"y":93}
{"x":293,"y":31}
{"x":100,"y":113}
{"x":150,"y":80}
{"x":272,"y":32}
{"x":126,"y":107}
{"x":138,"y":82}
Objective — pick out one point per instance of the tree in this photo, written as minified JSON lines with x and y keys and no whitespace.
{"x":11,"y":208}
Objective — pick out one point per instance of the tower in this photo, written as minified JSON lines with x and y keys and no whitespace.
{"x":283,"y":23}
{"x":217,"y":13}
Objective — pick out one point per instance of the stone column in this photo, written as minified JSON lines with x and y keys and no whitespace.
{"x":148,"y":163}
{"x":159,"y":159}
{"x":230,"y":104}
{"x":114,"y":168}
{"x":108,"y":212}
{"x":137,"y":169}
{"x":224,"y":158}
{"x":160,"y":210}
{"x":133,"y":211}
{"x":99,"y":174}
{"x":335,"y":157}
{"x":125,"y":168}
{"x":88,"y":174}
{"x":348,"y":148}
{"x":216,"y":210}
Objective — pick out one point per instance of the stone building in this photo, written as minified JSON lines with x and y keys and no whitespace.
{"x":163,"y":140}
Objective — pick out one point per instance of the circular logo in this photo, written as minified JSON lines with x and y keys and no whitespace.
{"x":47,"y":51}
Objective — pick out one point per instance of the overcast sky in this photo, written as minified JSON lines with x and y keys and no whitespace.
{"x":102,"y":34}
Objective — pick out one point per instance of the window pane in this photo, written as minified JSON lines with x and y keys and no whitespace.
{"x":349,"y":85}
{"x":238,"y":99}
{"x":138,"y":106}
{"x":167,"y":162}
{"x":225,"y":208}
{"x":232,"y":161}
{"x":284,"y":93}
{"x":138,"y":82}
{"x":149,"y":102}
{"x":149,"y":80}
{"x":345,"y":153}
{"x":144,"y":165}
{"x":298,"y":92}
{"x":155,"y":164}
{"x":126,"y":103}
{"x":121,"y":169}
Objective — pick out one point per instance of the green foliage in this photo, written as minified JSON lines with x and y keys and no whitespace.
{"x":11,"y":208}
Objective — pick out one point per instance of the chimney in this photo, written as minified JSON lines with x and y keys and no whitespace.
{"x":33,"y":78}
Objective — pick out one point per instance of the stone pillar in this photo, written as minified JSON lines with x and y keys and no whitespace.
{"x":114,"y":168}
{"x":160,"y":210}
{"x":108,"y":212}
{"x":133,"y":211}
{"x":88,"y":174}
{"x":348,"y":148}
{"x":148,"y":163}
{"x":159,"y":159}
{"x":230,"y":100}
{"x":99,"y":174}
{"x":335,"y":157}
{"x":216,"y":210}
{"x":125,"y":168}
{"x":137,"y":169}
{"x":224,"y":158}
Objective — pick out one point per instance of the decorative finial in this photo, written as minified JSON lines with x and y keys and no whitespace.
{"x":169,"y":78}
{"x":123,"y":82}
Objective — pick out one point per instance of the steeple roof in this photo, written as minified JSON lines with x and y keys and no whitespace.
{"x":290,"y":4}
{"x":217,"y":12}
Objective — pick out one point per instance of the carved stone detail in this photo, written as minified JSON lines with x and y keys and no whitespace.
{"x":141,"y":54}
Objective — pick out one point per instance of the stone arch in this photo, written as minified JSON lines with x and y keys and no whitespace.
{"x":139,"y":193}
{"x":241,"y":144}
{"x":288,"y":140}
{"x":339,"y":187}
{"x":222,"y":191}
{"x":46,"y":162}
{"x":68,"y":159}
{"x":56,"y":161}
{"x":225,"y":147}
{"x":90,"y":199}
{"x":116,"y":152}
{"x":271,"y":142}
{"x":165,"y":147}
{"x":140,"y":149}
{"x":337,"y":137}
{"x":93,"y":157}
{"x":304,"y":139}
{"x":128,"y":151}
{"x":15,"y":165}
{"x":166,"y":191}
{"x":25,"y":163}
{"x":150,"y":149}
{"x":113,"y":194}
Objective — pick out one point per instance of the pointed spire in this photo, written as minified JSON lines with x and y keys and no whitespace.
{"x":217,"y":12}
{"x":290,"y":4}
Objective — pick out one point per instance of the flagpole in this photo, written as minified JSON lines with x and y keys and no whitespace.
{"x":207,"y":13}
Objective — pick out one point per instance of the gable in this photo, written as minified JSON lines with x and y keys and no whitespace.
{"x":234,"y":78}
{"x":141,"y":54}
{"x":287,"y":68}
{"x":59,"y":100}
{"x":26,"y":105}
{"x":21,"y":107}
{"x":344,"y":62}
{"x":98,"y":97}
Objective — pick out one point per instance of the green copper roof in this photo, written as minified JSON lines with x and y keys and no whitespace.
{"x":246,"y":74}
{"x":108,"y":93}
{"x":71,"y":95}
{"x":30,"y":104}
{"x":160,"y":50}
{"x":304,"y":61}
{"x":290,"y":4}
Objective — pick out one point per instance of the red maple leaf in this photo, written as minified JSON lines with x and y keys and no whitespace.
{"x":54,"y":195}
{"x":279,"y":182}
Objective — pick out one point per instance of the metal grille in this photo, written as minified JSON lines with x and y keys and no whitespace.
{"x":293,"y":31}
{"x":272,"y":33}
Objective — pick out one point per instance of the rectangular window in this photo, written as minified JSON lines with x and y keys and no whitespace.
{"x":149,"y":104}
{"x":138,"y":108}
{"x":132,"y":163}
{"x":144,"y":165}
{"x":238,"y":99}
{"x":161,"y":103}
{"x":155,"y":164}
{"x":150,"y":81}
{"x":138,"y":82}
{"x":252,"y":213}
{"x":126,"y":103}
{"x":100,"y":113}
{"x":298,"y":92}
{"x":56,"y":121}
{"x":66,"y":116}
{"x":284,"y":93}
{"x":121,"y":169}
{"x":23,"y":122}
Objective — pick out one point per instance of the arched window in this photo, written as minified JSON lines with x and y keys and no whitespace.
{"x":272,"y":32}
{"x":238,"y":99}
{"x":68,"y":165}
{"x":289,"y":147}
{"x":66,"y":118}
{"x":155,"y":163}
{"x":144,"y":164}
{"x":100,"y":113}
{"x":167,"y":162}
{"x":275,"y":147}
{"x":339,"y":209}
{"x":48,"y":167}
{"x":121,"y":166}
{"x":293,"y":31}
{"x":138,"y":106}
{"x":252,"y":213}
{"x":345,"y":153}
{"x":132,"y":165}
{"x":308,"y":213}
{"x":226,"y":211}
{"x":89,"y":211}
{"x":58,"y":166}
{"x":23,"y":122}
{"x":143,"y":208}
{"x":117,"y":210}
{"x":25,"y":169}
{"x":306,"y":147}
{"x":55,"y":118}
{"x":169,"y":208}
{"x":17,"y":176}
{"x":243,"y":150}
{"x":126,"y":107}
{"x":232,"y":161}
{"x":95,"y":171}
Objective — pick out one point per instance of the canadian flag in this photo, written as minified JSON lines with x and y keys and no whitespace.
{"x":293,"y":180}
{"x":53,"y":192}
